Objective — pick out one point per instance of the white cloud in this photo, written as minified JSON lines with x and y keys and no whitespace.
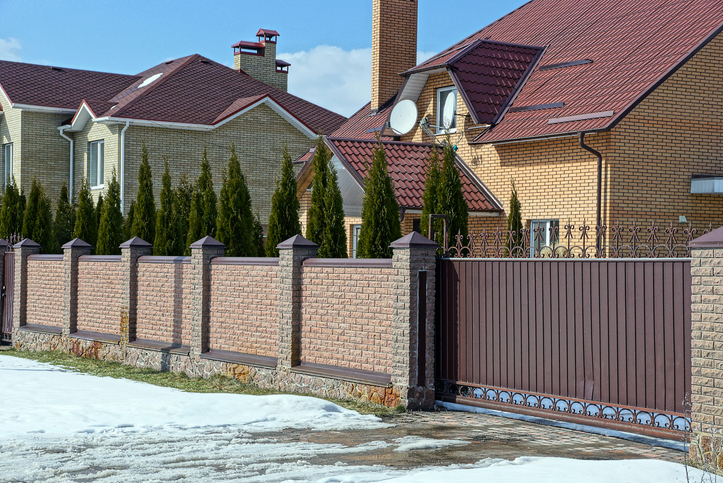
{"x":337,"y":79}
{"x":10,"y":49}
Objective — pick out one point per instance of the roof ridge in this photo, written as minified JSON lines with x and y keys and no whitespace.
{"x":157,"y":83}
{"x":374,"y":140}
{"x":68,"y":68}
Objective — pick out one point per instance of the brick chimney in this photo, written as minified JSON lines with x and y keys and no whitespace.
{"x":394,"y":46}
{"x":258,"y":59}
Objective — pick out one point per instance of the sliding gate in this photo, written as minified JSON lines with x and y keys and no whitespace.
{"x":603,"y":342}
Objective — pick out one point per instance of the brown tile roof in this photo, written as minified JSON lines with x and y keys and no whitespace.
{"x":633,"y":44}
{"x":46,"y":86}
{"x":407,"y":167}
{"x":363,"y":124}
{"x":192,"y":90}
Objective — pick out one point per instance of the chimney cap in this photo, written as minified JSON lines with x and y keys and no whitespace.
{"x":248,"y":45}
{"x":267,"y":32}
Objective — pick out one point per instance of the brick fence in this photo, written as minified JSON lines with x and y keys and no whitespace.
{"x":339,"y":328}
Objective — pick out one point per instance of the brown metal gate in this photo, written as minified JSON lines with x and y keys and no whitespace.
{"x":7,"y":297}
{"x":604,"y":342}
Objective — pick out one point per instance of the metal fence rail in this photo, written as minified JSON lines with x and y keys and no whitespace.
{"x":606,"y":339}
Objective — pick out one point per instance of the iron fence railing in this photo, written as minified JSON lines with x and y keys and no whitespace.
{"x":574,"y":241}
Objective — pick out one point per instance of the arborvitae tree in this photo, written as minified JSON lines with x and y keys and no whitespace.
{"x":86,"y":227}
{"x":259,"y":236}
{"x":182,"y":197}
{"x":128,"y":222}
{"x":163,"y":244}
{"x":202,"y":219}
{"x":38,"y":221}
{"x":317,"y":211}
{"x":380,"y":210}
{"x":144,"y":216}
{"x":284,"y":220}
{"x":99,"y":209}
{"x":431,"y":186}
{"x":514,"y":224}
{"x":235,"y":225}
{"x":111,"y":230}
{"x":333,"y":241}
{"x":11,"y":214}
{"x":450,"y":200}
{"x":64,"y":218}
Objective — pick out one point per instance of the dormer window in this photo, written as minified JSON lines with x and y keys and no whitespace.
{"x":446,"y":110}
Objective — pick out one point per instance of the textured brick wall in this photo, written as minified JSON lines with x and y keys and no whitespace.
{"x":10,"y":123}
{"x":164,"y":302}
{"x":110,"y":135}
{"x":346,"y":317}
{"x":99,"y":293}
{"x":244,"y":310}
{"x":45,"y":292}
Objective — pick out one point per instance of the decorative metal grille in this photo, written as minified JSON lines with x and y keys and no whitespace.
{"x":575,"y":241}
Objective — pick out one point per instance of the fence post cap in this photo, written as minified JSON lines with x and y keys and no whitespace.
{"x":135,"y":242}
{"x":414,"y":239}
{"x":713,"y":239}
{"x":296,"y":241}
{"x":3,"y":242}
{"x":76,"y":243}
{"x":26,"y":243}
{"x":207,"y":241}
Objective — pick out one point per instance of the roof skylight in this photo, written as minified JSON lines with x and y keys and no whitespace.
{"x":150,"y":80}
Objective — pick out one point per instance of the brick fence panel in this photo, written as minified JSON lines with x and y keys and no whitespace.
{"x":45,"y":292}
{"x":346,"y":317}
{"x":243,"y":309}
{"x":164,"y":302}
{"x":99,"y":296}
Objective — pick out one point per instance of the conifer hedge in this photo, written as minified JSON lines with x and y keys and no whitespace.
{"x":111,"y":230}
{"x":144,"y":215}
{"x":235,"y":224}
{"x":284,"y":219}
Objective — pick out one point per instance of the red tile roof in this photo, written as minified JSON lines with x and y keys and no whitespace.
{"x":363,"y":124}
{"x":407,"y":167}
{"x":43,"y":85}
{"x":633,"y":44}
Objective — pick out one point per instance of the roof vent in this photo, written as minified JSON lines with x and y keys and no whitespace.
{"x":169,"y":62}
{"x":565,"y":64}
{"x":150,"y":80}
{"x":205,"y":62}
{"x":57,"y":69}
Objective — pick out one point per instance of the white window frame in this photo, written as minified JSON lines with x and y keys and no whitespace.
{"x":547,"y":240}
{"x":355,"y":231}
{"x":8,"y":163}
{"x":99,"y":161}
{"x":440,"y":125}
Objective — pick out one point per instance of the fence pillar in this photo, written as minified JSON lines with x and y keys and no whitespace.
{"x":72,"y":250}
{"x":202,"y":252}
{"x":131,"y":251}
{"x":3,"y":249}
{"x":414,"y":264}
{"x":292,"y":253}
{"x":706,"y":268}
{"x":23,"y":250}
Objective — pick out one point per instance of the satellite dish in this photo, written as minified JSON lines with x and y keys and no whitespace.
{"x":403,"y":117}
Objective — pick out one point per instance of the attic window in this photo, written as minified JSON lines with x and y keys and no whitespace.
{"x":446,"y":110}
{"x":150,"y":80}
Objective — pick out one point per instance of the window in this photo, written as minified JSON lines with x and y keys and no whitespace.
{"x":446,"y":110}
{"x":8,"y":158}
{"x":544,"y":236}
{"x":355,"y":230}
{"x":96,"y":164}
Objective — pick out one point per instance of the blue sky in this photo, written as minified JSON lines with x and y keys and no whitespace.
{"x":327,"y":42}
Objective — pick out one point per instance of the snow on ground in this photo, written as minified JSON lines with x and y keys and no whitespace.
{"x":57,"y":425}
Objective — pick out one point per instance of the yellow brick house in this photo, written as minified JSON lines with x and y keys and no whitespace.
{"x":60,"y":125}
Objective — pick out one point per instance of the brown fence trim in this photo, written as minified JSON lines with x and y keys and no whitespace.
{"x":349,"y":262}
{"x":155,"y":345}
{"x":44,"y":329}
{"x":344,"y":374}
{"x":268,"y":261}
{"x":95,"y":336}
{"x":99,"y":258}
{"x":154,"y":259}
{"x":239,"y":358}
{"x":46,"y":258}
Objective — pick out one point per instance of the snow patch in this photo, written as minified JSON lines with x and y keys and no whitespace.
{"x":411,"y":443}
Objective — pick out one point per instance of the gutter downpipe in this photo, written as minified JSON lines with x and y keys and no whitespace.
{"x":581,"y":137}
{"x":123,"y":164}
{"x":61,"y":130}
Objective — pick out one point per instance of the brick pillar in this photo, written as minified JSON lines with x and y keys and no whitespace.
{"x":131,"y":251}
{"x":202,"y":252}
{"x":72,"y":250}
{"x":414,"y":261}
{"x":3,"y":249}
{"x":707,"y":345}
{"x":23,"y":250}
{"x":292,"y":253}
